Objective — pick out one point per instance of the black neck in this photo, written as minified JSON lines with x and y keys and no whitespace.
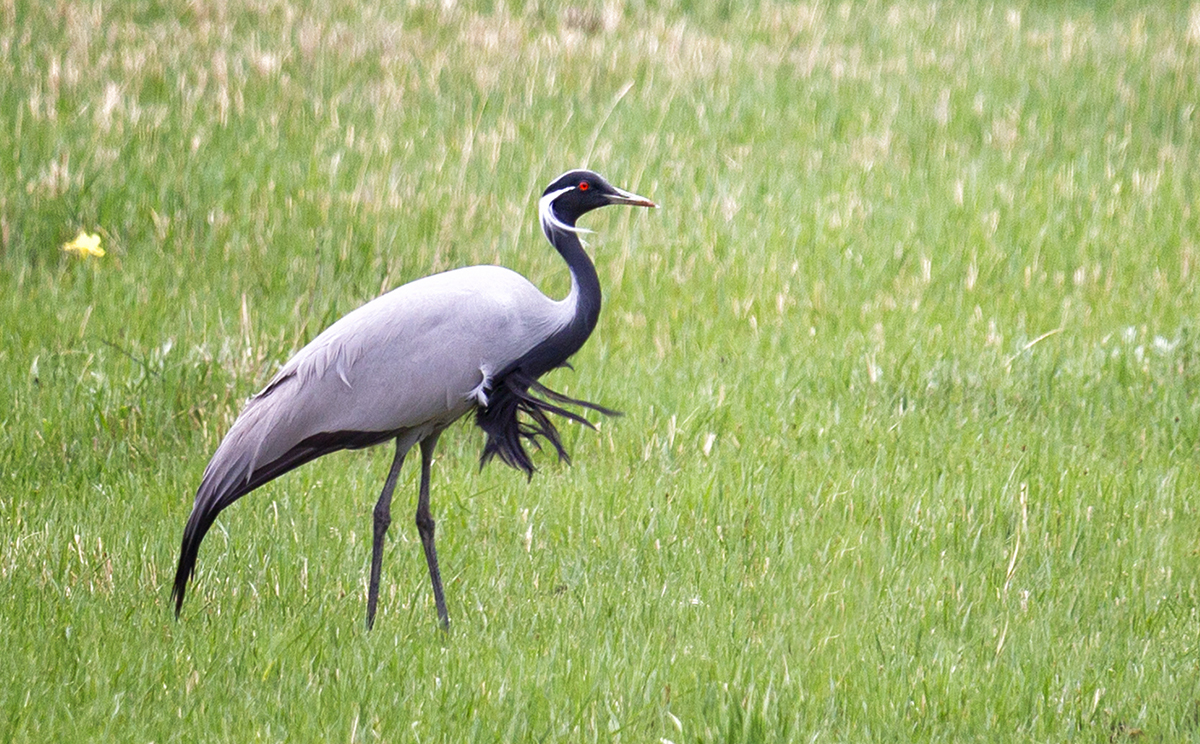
{"x":587,"y":284}
{"x":558,"y":347}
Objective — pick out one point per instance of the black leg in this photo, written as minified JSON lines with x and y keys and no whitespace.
{"x":383,"y":518}
{"x":425,"y":526}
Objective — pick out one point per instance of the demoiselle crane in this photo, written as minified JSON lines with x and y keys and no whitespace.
{"x":408,"y":364}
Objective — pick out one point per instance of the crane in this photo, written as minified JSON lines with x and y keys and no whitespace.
{"x":409,"y":363}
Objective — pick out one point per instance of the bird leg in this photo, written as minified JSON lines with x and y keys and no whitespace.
{"x":425,"y":525}
{"x":383,"y":518}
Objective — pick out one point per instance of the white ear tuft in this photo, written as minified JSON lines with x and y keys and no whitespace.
{"x":550,"y":220}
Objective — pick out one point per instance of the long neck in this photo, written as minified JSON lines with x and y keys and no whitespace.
{"x":582,"y":305}
{"x":585,"y":285}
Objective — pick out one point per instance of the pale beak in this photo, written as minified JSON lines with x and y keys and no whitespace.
{"x":630,"y":199}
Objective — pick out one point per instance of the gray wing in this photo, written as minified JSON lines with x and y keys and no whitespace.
{"x":416,"y":358}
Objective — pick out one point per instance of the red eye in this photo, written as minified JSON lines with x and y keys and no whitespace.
{"x":584,"y":185}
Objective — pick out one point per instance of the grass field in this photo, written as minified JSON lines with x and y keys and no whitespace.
{"x":909,"y":360}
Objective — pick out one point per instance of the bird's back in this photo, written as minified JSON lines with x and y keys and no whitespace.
{"x":416,"y":356}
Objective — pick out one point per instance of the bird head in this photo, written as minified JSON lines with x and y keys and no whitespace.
{"x":578,"y":192}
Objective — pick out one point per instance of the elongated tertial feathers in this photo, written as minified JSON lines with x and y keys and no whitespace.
{"x":501,"y":420}
{"x":229,"y":477}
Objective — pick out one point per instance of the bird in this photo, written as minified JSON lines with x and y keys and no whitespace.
{"x":408,"y":364}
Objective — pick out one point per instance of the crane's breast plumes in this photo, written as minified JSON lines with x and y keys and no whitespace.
{"x":515,"y":415}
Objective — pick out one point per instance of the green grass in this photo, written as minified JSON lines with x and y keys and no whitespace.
{"x":909,"y":360}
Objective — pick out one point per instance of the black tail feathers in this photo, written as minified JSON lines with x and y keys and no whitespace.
{"x":229,"y":478}
{"x":188,"y":552}
{"x":513,"y":395}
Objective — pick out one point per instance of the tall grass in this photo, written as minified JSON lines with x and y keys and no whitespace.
{"x":908,"y":358}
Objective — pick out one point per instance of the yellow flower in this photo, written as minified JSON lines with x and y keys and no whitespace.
{"x":84,"y":245}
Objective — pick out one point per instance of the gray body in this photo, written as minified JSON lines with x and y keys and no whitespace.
{"x":417,"y":358}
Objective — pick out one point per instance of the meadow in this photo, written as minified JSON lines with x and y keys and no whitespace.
{"x":908,"y":360}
